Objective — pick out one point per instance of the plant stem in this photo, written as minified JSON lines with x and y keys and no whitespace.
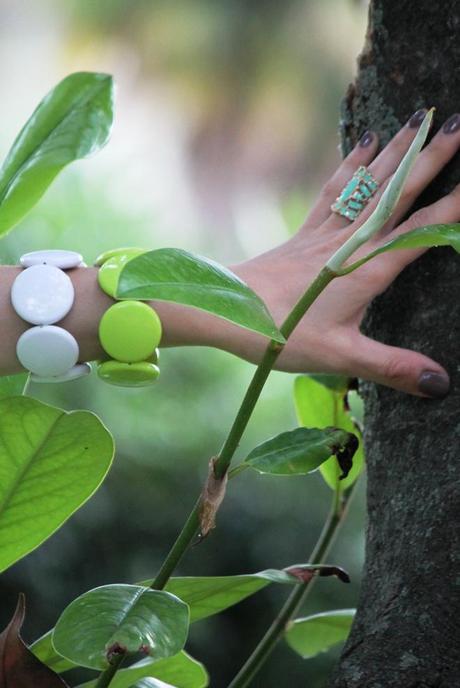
{"x":250,"y":399}
{"x":297,"y":597}
{"x":106,"y":677}
{"x":264,"y":369}
{"x":176,"y":552}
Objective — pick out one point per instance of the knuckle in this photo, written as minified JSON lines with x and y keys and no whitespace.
{"x":330,"y":190}
{"x":395,"y":370}
{"x":419,"y":218}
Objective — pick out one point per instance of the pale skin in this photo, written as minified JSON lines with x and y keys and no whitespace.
{"x":328,"y":339}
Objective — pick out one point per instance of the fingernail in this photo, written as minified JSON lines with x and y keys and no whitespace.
{"x":452,"y":125}
{"x":434,"y":385}
{"x":417,"y":118}
{"x":366,"y":139}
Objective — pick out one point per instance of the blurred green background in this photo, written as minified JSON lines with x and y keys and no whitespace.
{"x":226,"y":127}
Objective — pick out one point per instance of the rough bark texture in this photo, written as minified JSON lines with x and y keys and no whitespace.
{"x":407,"y":630}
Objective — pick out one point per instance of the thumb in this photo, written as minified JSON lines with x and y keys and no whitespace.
{"x":401,"y":369}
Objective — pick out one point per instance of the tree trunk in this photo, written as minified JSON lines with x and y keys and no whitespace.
{"x":407,"y":629}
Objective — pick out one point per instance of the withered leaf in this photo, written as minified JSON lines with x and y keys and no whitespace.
{"x":345,"y":455}
{"x":211,"y":499}
{"x":305,"y":573}
{"x":19,"y":668}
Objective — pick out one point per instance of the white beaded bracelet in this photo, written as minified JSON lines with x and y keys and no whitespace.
{"x":42,"y":294}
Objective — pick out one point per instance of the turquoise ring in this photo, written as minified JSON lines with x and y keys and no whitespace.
{"x":356,"y":194}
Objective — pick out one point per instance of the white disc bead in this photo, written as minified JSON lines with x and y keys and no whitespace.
{"x":56,"y":257}
{"x":77,"y":371}
{"x":47,"y":351}
{"x":42,"y":294}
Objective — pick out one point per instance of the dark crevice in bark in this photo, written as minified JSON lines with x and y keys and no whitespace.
{"x":407,"y":630}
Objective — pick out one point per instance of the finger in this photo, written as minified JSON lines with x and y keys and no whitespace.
{"x":361,"y":154}
{"x":444,"y":211}
{"x":429,"y":163}
{"x":401,"y":369}
{"x":384,"y":165}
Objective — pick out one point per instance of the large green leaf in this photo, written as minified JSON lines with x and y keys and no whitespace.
{"x":51,"y":462}
{"x":209,"y":595}
{"x":71,"y":122}
{"x":205,"y":596}
{"x":131,"y":619}
{"x":180,"y":671}
{"x":428,"y":236}
{"x":171,"y":274}
{"x":317,"y":633}
{"x":13,"y":385}
{"x":318,"y":406}
{"x":299,"y":451}
{"x":150,"y":683}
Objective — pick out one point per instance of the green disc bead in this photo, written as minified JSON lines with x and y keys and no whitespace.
{"x":109,"y":273}
{"x":130,"y":331}
{"x":155,"y":357}
{"x":114,"y":252}
{"x":128,"y":374}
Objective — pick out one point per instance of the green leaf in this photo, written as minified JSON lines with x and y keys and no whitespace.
{"x":422,"y":237}
{"x":51,"y":462}
{"x":387,"y":202}
{"x":209,"y":595}
{"x":171,"y":274}
{"x":13,"y":385}
{"x":151,"y":683}
{"x":317,"y":406}
{"x":297,"y":452}
{"x":338,"y":383}
{"x":317,"y":633}
{"x":71,"y":122}
{"x":43,"y":649}
{"x":131,"y":619}
{"x":180,"y":671}
{"x":205,"y":596}
{"x":356,"y":406}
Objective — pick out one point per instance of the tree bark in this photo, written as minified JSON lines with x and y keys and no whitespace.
{"x":407,"y":629}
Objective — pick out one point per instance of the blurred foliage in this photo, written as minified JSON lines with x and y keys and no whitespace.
{"x":225,"y":129}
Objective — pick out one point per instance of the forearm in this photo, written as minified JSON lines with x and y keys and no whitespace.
{"x":181,"y":325}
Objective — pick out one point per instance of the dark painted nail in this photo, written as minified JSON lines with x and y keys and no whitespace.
{"x":366,"y":139}
{"x":435,"y":385}
{"x":452,"y":125}
{"x":417,"y":118}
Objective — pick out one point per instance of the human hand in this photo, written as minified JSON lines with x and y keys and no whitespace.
{"x":328,"y":338}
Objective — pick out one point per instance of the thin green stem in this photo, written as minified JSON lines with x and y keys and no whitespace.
{"x":106,"y":677}
{"x":176,"y":552}
{"x":296,"y":598}
{"x":222,"y":463}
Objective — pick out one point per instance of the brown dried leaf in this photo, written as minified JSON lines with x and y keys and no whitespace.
{"x":19,"y":668}
{"x":305,"y":574}
{"x":345,"y":455}
{"x":211,"y":499}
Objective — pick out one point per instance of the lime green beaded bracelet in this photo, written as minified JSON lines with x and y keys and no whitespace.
{"x":129,"y":331}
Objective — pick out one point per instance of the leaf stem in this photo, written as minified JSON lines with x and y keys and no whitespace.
{"x":297,"y":597}
{"x":106,"y":677}
{"x":250,"y":399}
